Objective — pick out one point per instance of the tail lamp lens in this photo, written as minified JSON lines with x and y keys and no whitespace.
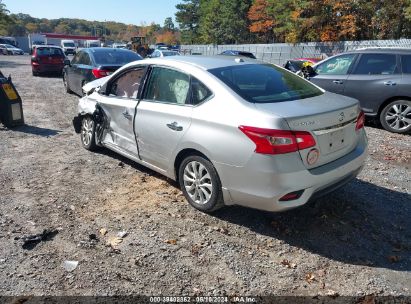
{"x":270,"y":141}
{"x":100,"y":73}
{"x":360,"y":121}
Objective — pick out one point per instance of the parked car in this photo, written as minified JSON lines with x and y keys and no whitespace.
{"x":295,"y":65}
{"x":238,"y":53}
{"x":68,"y":46}
{"x":379,"y":78}
{"x":12,"y":50}
{"x":229,"y":130}
{"x":93,"y":63}
{"x":119,"y":46}
{"x":47,"y":59}
{"x":3,"y":50}
{"x":163,"y":53}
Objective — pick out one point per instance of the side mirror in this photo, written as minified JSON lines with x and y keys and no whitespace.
{"x":67,"y":62}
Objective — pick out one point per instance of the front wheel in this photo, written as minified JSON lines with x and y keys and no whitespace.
{"x":200,"y":184}
{"x":88,"y":133}
{"x":396,"y":116}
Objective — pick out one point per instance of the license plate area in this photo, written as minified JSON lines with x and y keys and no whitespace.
{"x":336,"y":140}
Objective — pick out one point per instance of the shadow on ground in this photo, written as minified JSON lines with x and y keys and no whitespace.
{"x":10,"y":64}
{"x":44,"y":132}
{"x":360,"y":224}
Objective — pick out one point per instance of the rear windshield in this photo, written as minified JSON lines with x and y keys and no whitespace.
{"x":45,"y":51}
{"x":265,"y":83}
{"x":115,"y":57}
{"x":68,"y":44}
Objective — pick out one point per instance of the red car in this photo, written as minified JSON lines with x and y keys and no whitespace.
{"x":46,"y":59}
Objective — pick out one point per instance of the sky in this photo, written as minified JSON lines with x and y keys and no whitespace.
{"x":125,"y":11}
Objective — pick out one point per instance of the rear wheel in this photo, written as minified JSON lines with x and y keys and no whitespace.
{"x":35,"y":73}
{"x":88,"y":133}
{"x":200,"y":184}
{"x":396,"y":116}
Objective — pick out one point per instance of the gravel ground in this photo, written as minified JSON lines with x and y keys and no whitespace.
{"x":354,"y":242}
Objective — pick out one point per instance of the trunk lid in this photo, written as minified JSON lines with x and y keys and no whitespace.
{"x":331,"y":120}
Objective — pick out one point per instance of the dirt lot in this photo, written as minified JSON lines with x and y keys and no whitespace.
{"x":355,"y":241}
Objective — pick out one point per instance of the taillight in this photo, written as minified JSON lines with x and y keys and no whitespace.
{"x":269,"y":141}
{"x":100,"y":73}
{"x":360,"y":121}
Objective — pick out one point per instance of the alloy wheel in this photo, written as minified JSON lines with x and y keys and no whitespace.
{"x":398,"y":116}
{"x":87,"y":129}
{"x":197,"y":182}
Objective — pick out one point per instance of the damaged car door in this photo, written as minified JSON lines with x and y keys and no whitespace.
{"x":119,"y":108}
{"x":163,"y":115}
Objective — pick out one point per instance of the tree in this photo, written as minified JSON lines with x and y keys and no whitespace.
{"x":261,"y":22}
{"x":168,"y":24}
{"x":188,"y":17}
{"x":5,"y":19}
{"x":224,"y":21}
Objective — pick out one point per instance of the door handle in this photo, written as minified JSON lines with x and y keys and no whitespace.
{"x":390,"y":83}
{"x":127,"y":115}
{"x":338,"y":81}
{"x":174,"y":126}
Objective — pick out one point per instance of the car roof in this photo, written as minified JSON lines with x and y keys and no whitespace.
{"x":387,"y":50}
{"x":48,"y":46}
{"x":206,"y":62}
{"x":104,"y":49}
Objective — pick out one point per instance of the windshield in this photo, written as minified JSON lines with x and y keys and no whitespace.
{"x":115,"y":57}
{"x":45,"y":51}
{"x":265,"y":83}
{"x":68,"y":44}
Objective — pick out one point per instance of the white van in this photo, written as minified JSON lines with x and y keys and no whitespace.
{"x":68,"y":46}
{"x":92,"y":43}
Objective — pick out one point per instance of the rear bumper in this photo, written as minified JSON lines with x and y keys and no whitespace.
{"x":43,"y":68}
{"x":261,"y":184}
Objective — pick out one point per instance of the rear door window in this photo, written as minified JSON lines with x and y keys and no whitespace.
{"x":199,"y":92}
{"x":265,"y":83}
{"x":377,"y":64}
{"x":406,"y":64}
{"x":336,"y":66}
{"x":168,"y":86}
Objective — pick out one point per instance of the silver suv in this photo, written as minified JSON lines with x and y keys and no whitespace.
{"x":379,"y":78}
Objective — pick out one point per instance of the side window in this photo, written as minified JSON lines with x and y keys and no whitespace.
{"x":127,"y":85}
{"x":76,"y":58}
{"x":84,"y":59}
{"x":336,"y":66}
{"x":199,"y":92}
{"x":169,"y":86}
{"x":406,"y":64}
{"x":376,"y":64}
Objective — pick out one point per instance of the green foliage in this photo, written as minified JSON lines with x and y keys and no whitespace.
{"x":239,"y":21}
{"x":188,"y":17}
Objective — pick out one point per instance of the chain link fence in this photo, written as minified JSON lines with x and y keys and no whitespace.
{"x":279,"y":53}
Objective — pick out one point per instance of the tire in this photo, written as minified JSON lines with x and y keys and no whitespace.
{"x":396,"y":116}
{"x":194,"y":173}
{"x":66,"y":85}
{"x":88,"y":133}
{"x":35,"y":73}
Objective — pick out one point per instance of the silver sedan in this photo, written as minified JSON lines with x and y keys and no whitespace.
{"x":231,"y":131}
